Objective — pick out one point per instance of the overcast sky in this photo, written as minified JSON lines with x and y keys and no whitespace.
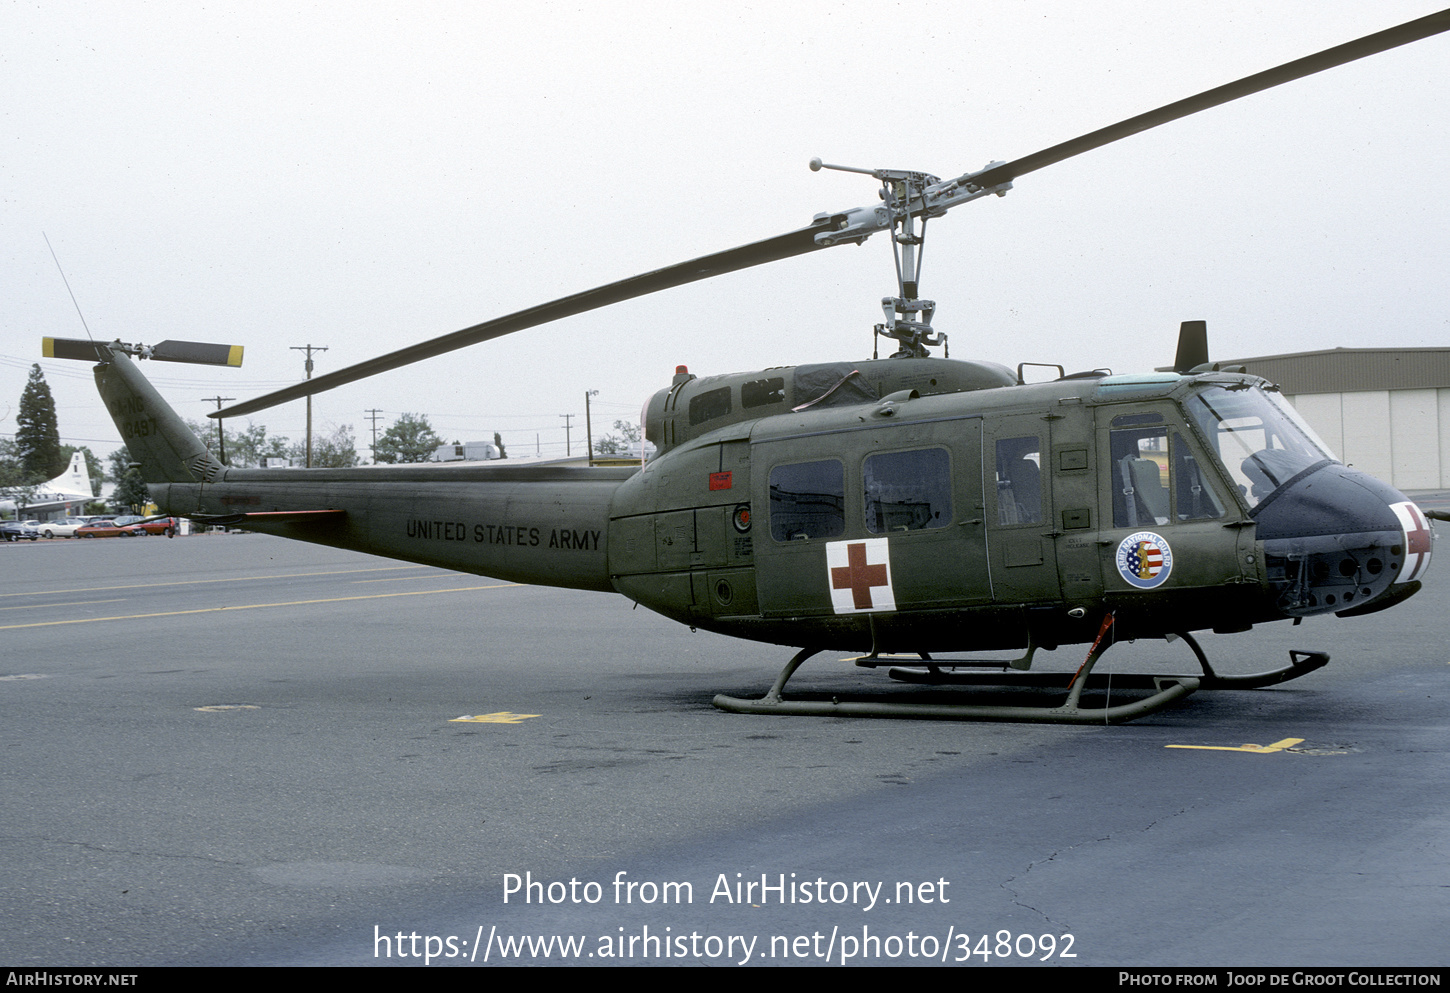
{"x":366,"y":176}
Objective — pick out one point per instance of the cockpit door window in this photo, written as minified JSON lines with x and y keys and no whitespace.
{"x":1156,"y":482}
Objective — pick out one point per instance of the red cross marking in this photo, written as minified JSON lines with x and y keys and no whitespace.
{"x":1418,"y":539}
{"x":858,"y":577}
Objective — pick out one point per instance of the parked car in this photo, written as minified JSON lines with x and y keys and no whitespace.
{"x":63,"y":528}
{"x":168,"y":526}
{"x":19,"y":530}
{"x":121,"y":527}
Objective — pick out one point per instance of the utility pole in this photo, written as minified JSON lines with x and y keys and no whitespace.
{"x":221,"y":444}
{"x":589,"y":431}
{"x":309,"y":349}
{"x":374,"y":415}
{"x":567,"y":450}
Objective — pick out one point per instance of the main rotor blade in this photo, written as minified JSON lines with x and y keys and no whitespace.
{"x":803,"y":240}
{"x":756,"y":253}
{"x":1329,"y":58}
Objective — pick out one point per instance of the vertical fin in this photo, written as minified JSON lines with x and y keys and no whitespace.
{"x":154,"y":434}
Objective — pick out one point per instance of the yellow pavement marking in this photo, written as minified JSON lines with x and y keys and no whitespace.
{"x":199,"y":582}
{"x":72,"y":603}
{"x":502,"y":717}
{"x":254,"y":606}
{"x":1277,"y":746}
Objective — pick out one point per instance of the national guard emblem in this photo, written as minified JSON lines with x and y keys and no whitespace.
{"x":1144,"y":559}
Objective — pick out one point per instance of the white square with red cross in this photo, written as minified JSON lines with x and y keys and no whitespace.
{"x":858,"y":574}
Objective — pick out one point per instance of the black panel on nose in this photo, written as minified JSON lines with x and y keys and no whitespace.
{"x":1328,"y":498}
{"x":1331,"y":541}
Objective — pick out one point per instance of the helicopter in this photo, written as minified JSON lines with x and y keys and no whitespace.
{"x":904,"y":508}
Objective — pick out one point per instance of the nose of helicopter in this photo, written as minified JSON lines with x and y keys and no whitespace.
{"x":1336,"y":539}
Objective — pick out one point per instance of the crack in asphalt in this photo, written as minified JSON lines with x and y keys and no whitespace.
{"x":90,"y":847}
{"x":1016,"y":895}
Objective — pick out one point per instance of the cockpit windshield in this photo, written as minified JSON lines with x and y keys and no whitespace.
{"x":1259,"y":437}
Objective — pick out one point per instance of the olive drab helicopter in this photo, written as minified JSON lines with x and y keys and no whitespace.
{"x":900,"y":507}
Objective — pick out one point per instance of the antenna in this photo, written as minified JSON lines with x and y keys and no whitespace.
{"x":67,"y":286}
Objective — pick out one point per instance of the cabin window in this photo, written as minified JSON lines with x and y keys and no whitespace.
{"x":762,"y":392}
{"x":1019,"y":480}
{"x":807,"y":500}
{"x":709,"y":405}
{"x":908,"y":491}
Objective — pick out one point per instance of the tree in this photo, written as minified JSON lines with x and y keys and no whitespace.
{"x":11,"y":471}
{"x":618,"y":444}
{"x":130,"y":489}
{"x":13,"y":483}
{"x":337,"y":450}
{"x":410,"y":439}
{"x":37,"y":439}
{"x":245,"y":449}
{"x":498,"y":443}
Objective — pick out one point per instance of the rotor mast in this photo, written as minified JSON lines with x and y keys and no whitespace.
{"x":906,"y":195}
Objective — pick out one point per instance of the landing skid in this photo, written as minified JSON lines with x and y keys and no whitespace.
{"x":942,"y":672}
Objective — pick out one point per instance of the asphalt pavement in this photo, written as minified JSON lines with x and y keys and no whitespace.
{"x":240,"y":750}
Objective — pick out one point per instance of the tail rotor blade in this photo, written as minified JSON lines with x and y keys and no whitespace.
{"x":81,"y":349}
{"x":194,"y":352}
{"x":197,"y":352}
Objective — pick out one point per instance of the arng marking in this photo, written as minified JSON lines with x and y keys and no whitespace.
{"x":1277,"y":746}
